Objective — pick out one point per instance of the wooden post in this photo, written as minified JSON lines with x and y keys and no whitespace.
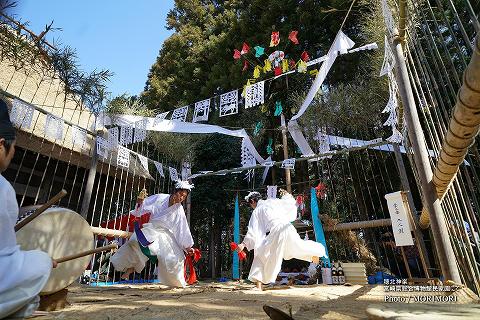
{"x":412,"y":212}
{"x":446,"y":256}
{"x":87,"y":196}
{"x":288,"y":178}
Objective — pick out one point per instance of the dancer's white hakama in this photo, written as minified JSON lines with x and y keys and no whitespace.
{"x":283,"y":242}
{"x":169,"y":233}
{"x":23,"y":274}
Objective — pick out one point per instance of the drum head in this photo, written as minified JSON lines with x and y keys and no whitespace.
{"x":59,"y":232}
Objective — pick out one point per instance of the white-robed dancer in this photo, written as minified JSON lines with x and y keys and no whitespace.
{"x":169,"y":234}
{"x":23,"y":274}
{"x":274,"y":216}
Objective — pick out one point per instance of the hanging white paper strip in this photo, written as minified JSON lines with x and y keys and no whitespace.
{"x":113,"y":136}
{"x":268,"y":164}
{"x":229,"y":103}
{"x":248,"y":160}
{"x":392,"y":119}
{"x":202,"y":108}
{"x":288,"y":163}
{"x":271,"y":192}
{"x":126,"y":135}
{"x":143,"y":161}
{"x":398,"y":209}
{"x":388,"y":59}
{"x":396,"y":137}
{"x":254,"y":94}
{"x":173,"y":174}
{"x":160,"y":117}
{"x":180,"y":114}
{"x":54,"y":127}
{"x":21,"y":114}
{"x":103,"y":147}
{"x":323,"y":144}
{"x":123,"y":157}
{"x":79,"y":137}
{"x":159,"y":167}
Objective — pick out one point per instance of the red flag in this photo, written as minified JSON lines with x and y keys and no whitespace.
{"x":305,"y":57}
{"x":277,"y":71}
{"x":245,"y":48}
{"x":292,"y":64}
{"x":275,"y":39}
{"x":236,"y":54}
{"x":245,"y":65}
{"x":293,"y":36}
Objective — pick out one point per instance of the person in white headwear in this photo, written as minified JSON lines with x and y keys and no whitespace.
{"x":23,"y":274}
{"x":167,"y":234}
{"x":274,"y":216}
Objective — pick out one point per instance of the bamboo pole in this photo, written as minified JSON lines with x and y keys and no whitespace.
{"x":39,"y":211}
{"x":288,"y":178}
{"x":111,"y":232}
{"x":359,"y":225}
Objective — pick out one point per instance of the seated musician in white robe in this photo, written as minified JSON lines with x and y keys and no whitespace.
{"x":274,"y":216}
{"x":168,"y":234}
{"x":23,"y":274}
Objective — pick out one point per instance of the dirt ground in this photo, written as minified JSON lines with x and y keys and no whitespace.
{"x":216,"y":301}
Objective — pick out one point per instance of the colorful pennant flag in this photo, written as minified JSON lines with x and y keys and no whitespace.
{"x":245,"y":48}
{"x":275,"y":39}
{"x":293,"y":36}
{"x":259,"y":51}
{"x":236,"y":54}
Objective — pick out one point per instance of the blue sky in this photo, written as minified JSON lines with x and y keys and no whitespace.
{"x":122,"y":36}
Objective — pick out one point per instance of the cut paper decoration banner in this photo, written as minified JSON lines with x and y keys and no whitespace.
{"x":271,"y":192}
{"x":54,"y":127}
{"x":180,"y":114}
{"x":123,"y":157}
{"x":159,"y":118}
{"x":126,"y":134}
{"x":21,"y":114}
{"x":202,"y":108}
{"x":102,"y":147}
{"x":143,"y":161}
{"x":159,"y":167}
{"x":254,"y":94}
{"x":140,"y":131}
{"x":288,"y":163}
{"x":173,"y":174}
{"x":79,"y":137}
{"x":113,"y":136}
{"x":229,"y":103}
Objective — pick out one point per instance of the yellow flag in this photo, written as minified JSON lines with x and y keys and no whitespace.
{"x":268,"y":66}
{"x":302,"y":66}
{"x":284,"y":65}
{"x":264,"y":108}
{"x":256,"y":72}
{"x":245,"y":88}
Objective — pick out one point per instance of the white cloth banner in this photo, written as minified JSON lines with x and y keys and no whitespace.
{"x":143,"y":161}
{"x":340,"y":45}
{"x":181,"y":127}
{"x":271,"y":192}
{"x":288,"y":163}
{"x":398,"y":209}
{"x":54,"y":127}
{"x":202,"y":108}
{"x":159,"y":167}
{"x":123,"y":157}
{"x":173,"y":174}
{"x":21,"y":114}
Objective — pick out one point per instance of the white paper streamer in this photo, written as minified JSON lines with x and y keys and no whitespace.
{"x":140,"y":131}
{"x":79,"y":137}
{"x":288,"y":163}
{"x":113,"y":136}
{"x":271,"y":192}
{"x":143,"y":161}
{"x":126,"y":135}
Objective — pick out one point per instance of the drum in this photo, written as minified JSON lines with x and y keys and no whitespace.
{"x":59,"y":232}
